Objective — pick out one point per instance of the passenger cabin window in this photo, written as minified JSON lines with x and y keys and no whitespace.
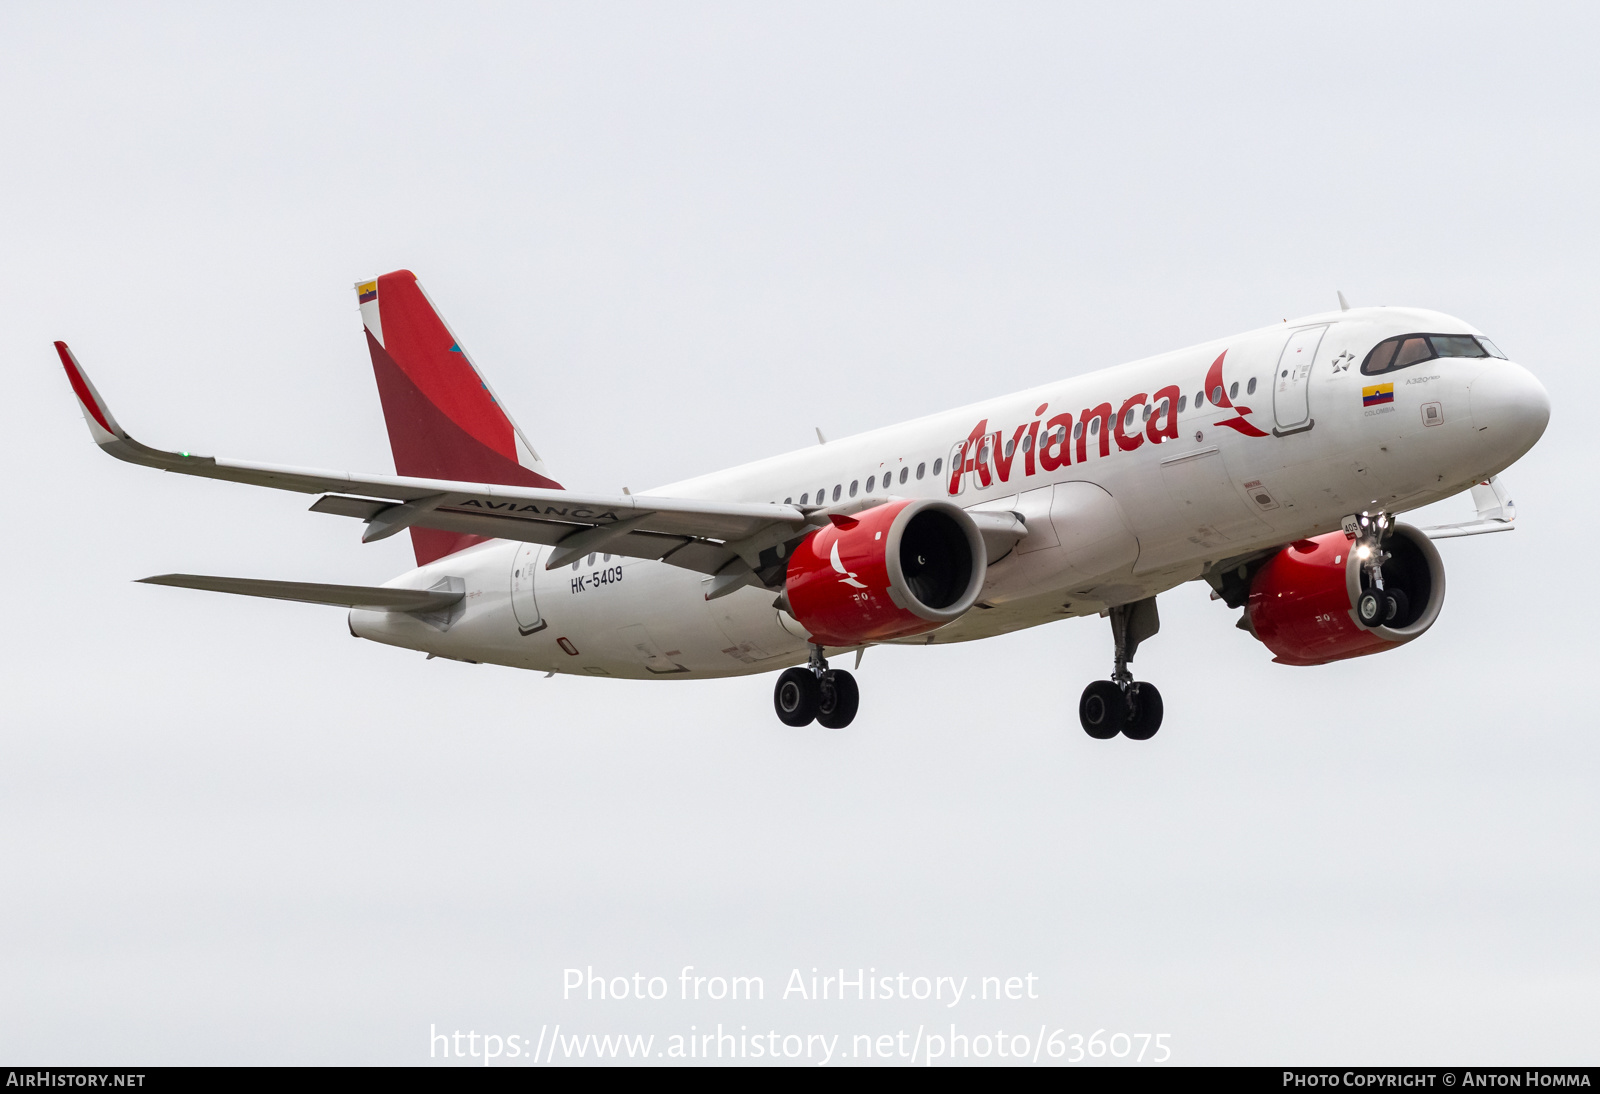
{"x":1410,"y":349}
{"x":904,"y":471}
{"x":937,"y":464}
{"x":837,"y":487}
{"x":921,"y":466}
{"x":872,"y":481}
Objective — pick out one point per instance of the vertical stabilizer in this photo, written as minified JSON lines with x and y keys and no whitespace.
{"x":444,"y":420}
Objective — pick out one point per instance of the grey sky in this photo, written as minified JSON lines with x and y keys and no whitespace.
{"x":677,"y":237}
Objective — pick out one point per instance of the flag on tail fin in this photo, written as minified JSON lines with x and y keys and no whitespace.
{"x":444,"y":420}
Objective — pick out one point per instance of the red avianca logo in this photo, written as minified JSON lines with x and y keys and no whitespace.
{"x":986,"y":452}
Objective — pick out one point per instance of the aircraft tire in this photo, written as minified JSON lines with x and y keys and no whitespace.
{"x":1370,"y":607}
{"x":796,"y":697}
{"x":1397,"y":608}
{"x":839,"y":697}
{"x":1145,"y":718}
{"x":1102,"y":711}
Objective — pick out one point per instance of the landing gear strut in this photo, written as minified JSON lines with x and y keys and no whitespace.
{"x":816,"y":693}
{"x":1376,"y":606}
{"x":1122,"y":704}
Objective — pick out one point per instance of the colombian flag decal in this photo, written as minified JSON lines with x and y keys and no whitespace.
{"x":1374,"y":396}
{"x":369,"y":292}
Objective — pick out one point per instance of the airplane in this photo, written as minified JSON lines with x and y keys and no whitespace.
{"x":1271,"y":464}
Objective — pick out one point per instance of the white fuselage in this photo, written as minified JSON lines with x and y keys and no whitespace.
{"x":1152,"y":512}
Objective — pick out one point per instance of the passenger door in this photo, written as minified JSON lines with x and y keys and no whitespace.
{"x":524,"y":605}
{"x":1290,"y":406}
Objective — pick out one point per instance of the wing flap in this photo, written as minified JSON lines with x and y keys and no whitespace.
{"x":342,"y":505}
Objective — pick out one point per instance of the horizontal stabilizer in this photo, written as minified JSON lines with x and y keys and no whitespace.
{"x":344,"y":596}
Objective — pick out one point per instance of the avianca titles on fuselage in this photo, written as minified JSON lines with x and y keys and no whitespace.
{"x":1270,"y":464}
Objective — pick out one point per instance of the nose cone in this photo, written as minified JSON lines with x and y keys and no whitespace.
{"x":1510,"y":409}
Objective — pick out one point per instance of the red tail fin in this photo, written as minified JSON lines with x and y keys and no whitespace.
{"x":444,"y":420}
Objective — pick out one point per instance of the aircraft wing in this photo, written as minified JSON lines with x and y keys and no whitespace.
{"x":1496,"y":513}
{"x":726,"y":539}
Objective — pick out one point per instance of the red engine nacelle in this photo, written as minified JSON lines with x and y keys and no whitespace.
{"x":1302,"y":602}
{"x":895,"y":570}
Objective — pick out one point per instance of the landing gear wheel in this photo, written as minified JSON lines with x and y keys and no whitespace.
{"x":1102,"y":710}
{"x":1397,"y":612}
{"x":1371,"y":607}
{"x":838,"y":699}
{"x":797,"y":697}
{"x":1145,"y":718}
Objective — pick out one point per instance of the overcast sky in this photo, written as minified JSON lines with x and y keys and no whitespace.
{"x":678,"y":237}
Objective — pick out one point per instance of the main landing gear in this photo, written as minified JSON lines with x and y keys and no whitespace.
{"x":1122,"y":704}
{"x":816,"y":693}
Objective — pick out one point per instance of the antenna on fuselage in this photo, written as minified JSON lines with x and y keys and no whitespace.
{"x":1344,"y":305}
{"x":820,"y":438}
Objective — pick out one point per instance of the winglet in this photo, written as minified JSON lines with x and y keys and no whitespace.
{"x":102,"y":426}
{"x":110,"y":436}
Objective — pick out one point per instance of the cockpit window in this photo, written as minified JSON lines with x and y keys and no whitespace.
{"x":1381,"y":357}
{"x":1457,"y":345}
{"x":1494,"y":350}
{"x":1410,"y":349}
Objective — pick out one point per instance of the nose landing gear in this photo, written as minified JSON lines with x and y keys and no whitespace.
{"x":816,"y":693}
{"x":1376,"y":606}
{"x":1122,"y":704}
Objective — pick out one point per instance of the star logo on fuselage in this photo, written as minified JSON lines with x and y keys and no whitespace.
{"x":1342,"y":362}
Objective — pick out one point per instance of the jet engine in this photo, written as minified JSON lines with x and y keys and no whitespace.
{"x":1303,"y":601}
{"x":887,"y":572}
